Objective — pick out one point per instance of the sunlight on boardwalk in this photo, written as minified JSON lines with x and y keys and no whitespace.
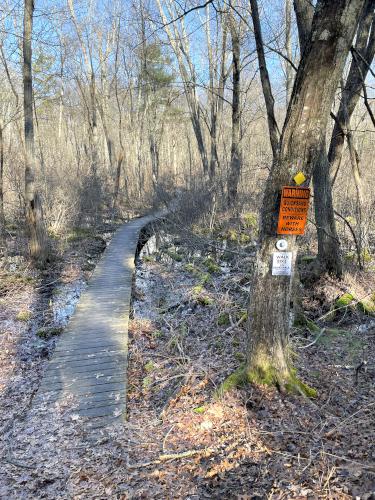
{"x":90,"y":361}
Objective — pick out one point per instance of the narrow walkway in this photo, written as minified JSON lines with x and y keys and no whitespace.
{"x":90,"y":360}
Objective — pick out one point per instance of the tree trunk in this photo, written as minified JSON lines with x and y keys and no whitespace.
{"x":235,"y":161}
{"x":34,"y":214}
{"x":304,"y":10}
{"x":288,"y":50}
{"x":328,"y":241}
{"x":2,"y":213}
{"x":120,"y":159}
{"x":303,"y":134}
{"x":329,"y":255}
{"x":264,"y":77}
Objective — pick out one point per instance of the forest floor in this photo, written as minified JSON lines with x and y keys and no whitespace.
{"x":180,"y":441}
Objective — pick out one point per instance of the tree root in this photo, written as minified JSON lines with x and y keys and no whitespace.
{"x":270,"y":376}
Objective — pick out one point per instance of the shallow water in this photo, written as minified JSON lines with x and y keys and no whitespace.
{"x":64,"y":301}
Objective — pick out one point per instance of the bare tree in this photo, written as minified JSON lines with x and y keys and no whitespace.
{"x":274,"y":133}
{"x":317,"y":78}
{"x":34,"y":215}
{"x":235,"y":160}
{"x":326,"y":169}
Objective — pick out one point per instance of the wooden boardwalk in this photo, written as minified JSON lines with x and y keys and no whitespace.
{"x":90,"y":359}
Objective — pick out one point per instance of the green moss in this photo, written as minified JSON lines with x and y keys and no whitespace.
{"x":223,"y":319}
{"x":204,"y":300}
{"x":295,"y":386}
{"x":49,"y":332}
{"x":232,"y":234}
{"x":148,"y":258}
{"x":266,"y":375}
{"x":234,"y":380}
{"x":366,"y":256}
{"x":250,"y":220}
{"x":344,"y":301}
{"x":147,"y":381}
{"x":149,"y":366}
{"x":240,"y":356}
{"x":244,"y":238}
{"x":301,"y":321}
{"x":190,"y":268}
{"x":199,"y":410}
{"x":307,"y":259}
{"x":211,"y":265}
{"x":174,"y":255}
{"x":157,"y":334}
{"x":53,"y":234}
{"x":367,"y":306}
{"x":10,"y":226}
{"x":23,"y":316}
{"x":241,"y":315}
{"x":351,"y":220}
{"x":350,"y":256}
{"x":204,"y":278}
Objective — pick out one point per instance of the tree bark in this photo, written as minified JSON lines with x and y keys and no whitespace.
{"x":329,"y":254}
{"x":2,"y":213}
{"x":34,"y":214}
{"x":264,"y":76}
{"x":304,"y":14}
{"x":288,"y":50}
{"x":235,"y":160}
{"x":365,"y":46}
{"x":303,"y":134}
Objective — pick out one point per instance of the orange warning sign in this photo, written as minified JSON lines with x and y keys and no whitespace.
{"x":293,"y":210}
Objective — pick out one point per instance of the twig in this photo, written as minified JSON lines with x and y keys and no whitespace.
{"x":314,"y":341}
{"x":239,"y":322}
{"x":328,"y":434}
{"x":166,"y":437}
{"x":174,"y":456}
{"x":18,"y":464}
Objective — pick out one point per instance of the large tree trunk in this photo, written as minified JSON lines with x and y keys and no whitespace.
{"x":34,"y":214}
{"x":303,"y":134}
{"x":235,"y":157}
{"x":329,"y":255}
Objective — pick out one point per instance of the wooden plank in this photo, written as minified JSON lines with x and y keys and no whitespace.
{"x":90,"y":399}
{"x":71,"y":370}
{"x":106,"y":341}
{"x":72,"y":355}
{"x":79,"y":389}
{"x":103,"y":411}
{"x":58,"y":363}
{"x":99,"y":378}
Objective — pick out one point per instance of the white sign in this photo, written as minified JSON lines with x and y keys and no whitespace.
{"x":281,"y":263}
